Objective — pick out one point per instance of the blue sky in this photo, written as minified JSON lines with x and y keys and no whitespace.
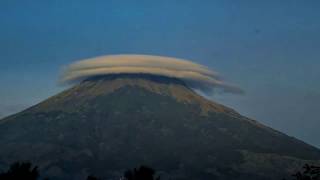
{"x":270,"y":48}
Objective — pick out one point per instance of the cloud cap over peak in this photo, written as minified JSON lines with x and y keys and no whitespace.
{"x":195,"y":75}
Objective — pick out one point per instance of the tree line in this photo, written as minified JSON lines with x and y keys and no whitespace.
{"x":26,"y":171}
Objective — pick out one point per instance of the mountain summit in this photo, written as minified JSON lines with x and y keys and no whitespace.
{"x":107,"y":124}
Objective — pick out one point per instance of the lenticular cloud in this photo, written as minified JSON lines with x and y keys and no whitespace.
{"x":195,"y":75}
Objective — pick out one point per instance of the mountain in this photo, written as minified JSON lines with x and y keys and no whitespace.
{"x":107,"y":124}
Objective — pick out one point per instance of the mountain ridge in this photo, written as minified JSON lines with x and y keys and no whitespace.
{"x":118,"y":121}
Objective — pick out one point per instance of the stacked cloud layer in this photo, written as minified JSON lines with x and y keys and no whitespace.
{"x":195,"y":75}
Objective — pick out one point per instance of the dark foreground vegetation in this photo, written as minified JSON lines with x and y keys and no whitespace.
{"x":308,"y":172}
{"x":26,"y":171}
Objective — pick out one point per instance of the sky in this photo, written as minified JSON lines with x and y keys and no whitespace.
{"x":271,"y":49}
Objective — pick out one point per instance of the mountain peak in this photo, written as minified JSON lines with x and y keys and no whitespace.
{"x":150,"y":77}
{"x":106,"y":124}
{"x":161,"y":85}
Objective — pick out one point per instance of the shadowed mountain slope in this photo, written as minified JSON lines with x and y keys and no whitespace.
{"x":108,"y":124}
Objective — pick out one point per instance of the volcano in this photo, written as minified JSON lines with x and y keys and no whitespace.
{"x":108,"y":124}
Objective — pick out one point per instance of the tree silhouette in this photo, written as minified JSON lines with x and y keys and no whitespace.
{"x":92,"y":178}
{"x":142,"y":173}
{"x":21,"y":171}
{"x":309,"y":172}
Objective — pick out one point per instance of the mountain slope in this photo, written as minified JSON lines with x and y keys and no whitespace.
{"x":107,"y":124}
